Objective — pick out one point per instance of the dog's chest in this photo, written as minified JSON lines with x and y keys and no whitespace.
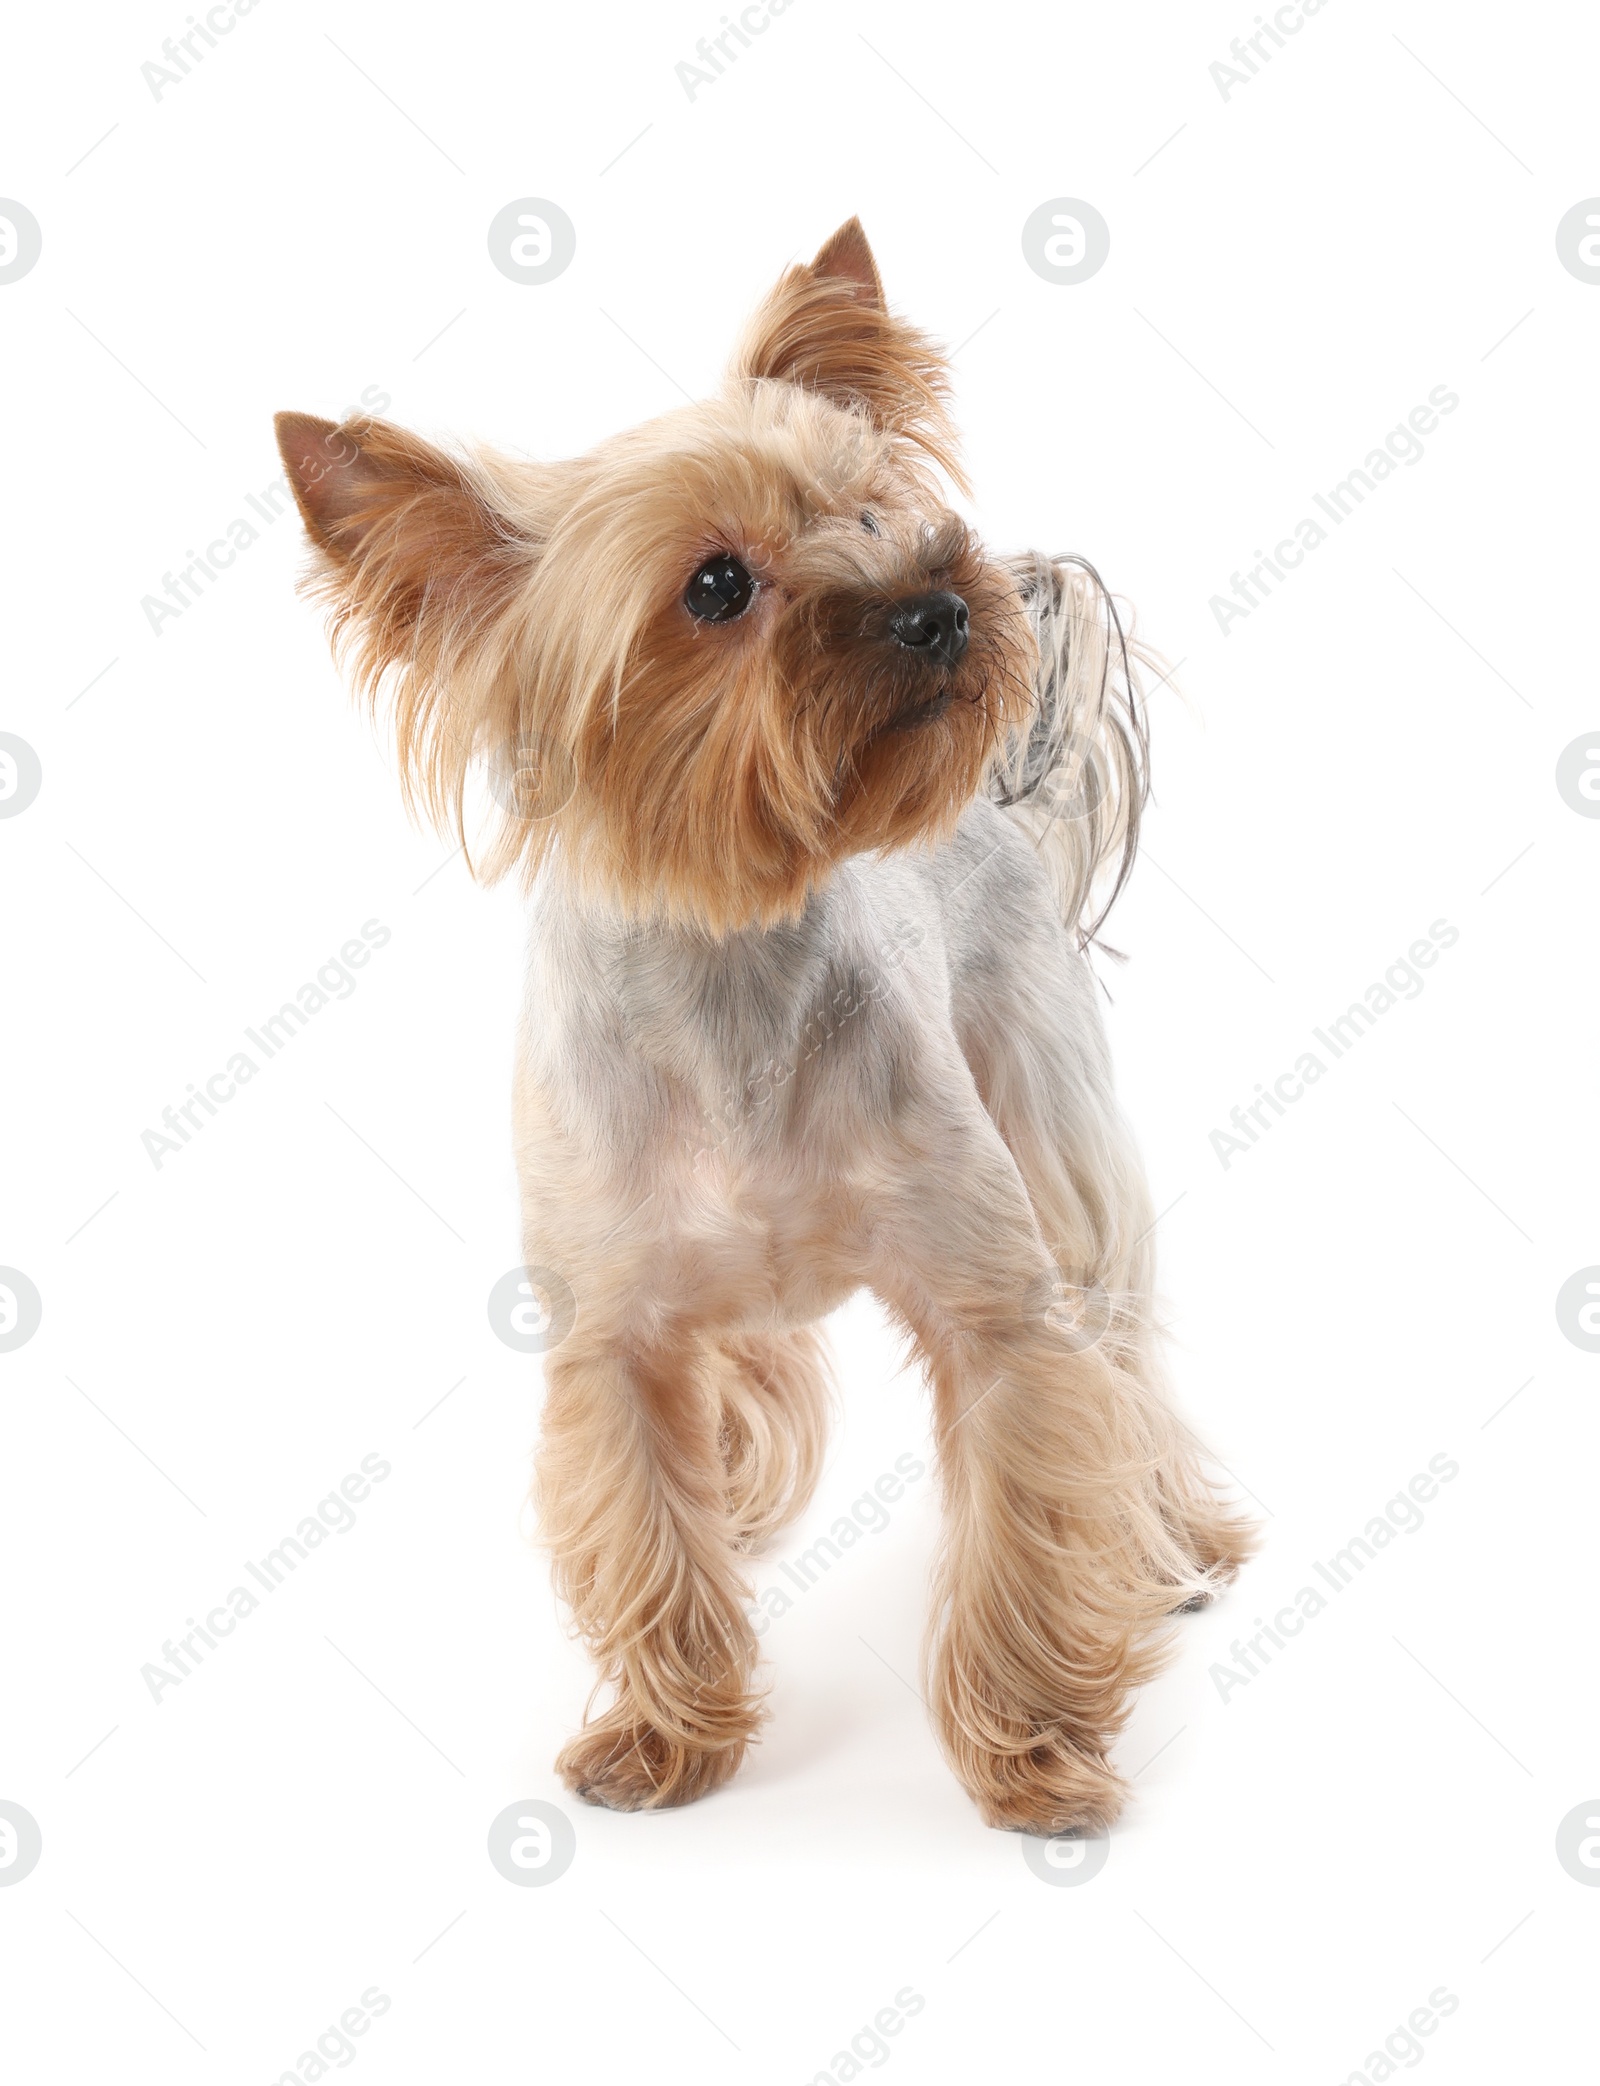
{"x":783,"y":1048}
{"x":768,"y":1062}
{"x":756,"y":1087}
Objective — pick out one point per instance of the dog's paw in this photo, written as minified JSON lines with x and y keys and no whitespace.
{"x":1051,"y":1790}
{"x":640,"y":1769}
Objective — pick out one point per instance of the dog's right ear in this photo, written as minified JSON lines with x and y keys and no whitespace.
{"x":367,"y":489}
{"x":420,"y":555}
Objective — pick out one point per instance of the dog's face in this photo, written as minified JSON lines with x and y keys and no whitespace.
{"x":712,"y":658}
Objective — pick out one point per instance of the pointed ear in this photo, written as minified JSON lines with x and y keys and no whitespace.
{"x":412,"y":542}
{"x":847,"y":257}
{"x":419,"y":562}
{"x":826,"y":327}
{"x":365,"y":479}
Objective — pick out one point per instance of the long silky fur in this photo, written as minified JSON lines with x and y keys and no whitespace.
{"x":1077,"y":776}
{"x":742,"y":839}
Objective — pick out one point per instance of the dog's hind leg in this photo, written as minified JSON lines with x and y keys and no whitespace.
{"x":1034,"y":1043}
{"x":1058,"y":1566}
{"x":774,"y":1396}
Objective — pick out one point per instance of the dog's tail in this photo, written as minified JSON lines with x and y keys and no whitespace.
{"x":1077,"y":774}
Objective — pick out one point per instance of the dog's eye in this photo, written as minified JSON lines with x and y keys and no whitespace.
{"x":870,"y":525}
{"x":719,"y":591}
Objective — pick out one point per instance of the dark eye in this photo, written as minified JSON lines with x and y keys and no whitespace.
{"x":719,"y":591}
{"x":870,"y":525}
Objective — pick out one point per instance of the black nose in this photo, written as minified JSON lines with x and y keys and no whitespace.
{"x":932,"y":624}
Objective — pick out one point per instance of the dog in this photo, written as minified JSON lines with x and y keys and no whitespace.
{"x":818,"y":803}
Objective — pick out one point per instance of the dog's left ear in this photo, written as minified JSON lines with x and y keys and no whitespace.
{"x":826,"y":327}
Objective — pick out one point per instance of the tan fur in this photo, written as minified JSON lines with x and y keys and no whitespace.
{"x":801,"y":1017}
{"x":712,"y":776}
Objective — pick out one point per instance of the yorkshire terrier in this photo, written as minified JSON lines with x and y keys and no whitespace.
{"x":819,"y":804}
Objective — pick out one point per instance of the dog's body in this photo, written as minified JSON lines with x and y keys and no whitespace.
{"x":803,"y":1016}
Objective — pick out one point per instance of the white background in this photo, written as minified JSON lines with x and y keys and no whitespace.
{"x":1292,"y":271}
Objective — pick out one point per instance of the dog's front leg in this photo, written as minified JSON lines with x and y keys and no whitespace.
{"x":1057,"y":1566}
{"x":632,"y":1503}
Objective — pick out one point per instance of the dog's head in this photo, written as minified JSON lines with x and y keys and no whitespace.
{"x":713,"y":657}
